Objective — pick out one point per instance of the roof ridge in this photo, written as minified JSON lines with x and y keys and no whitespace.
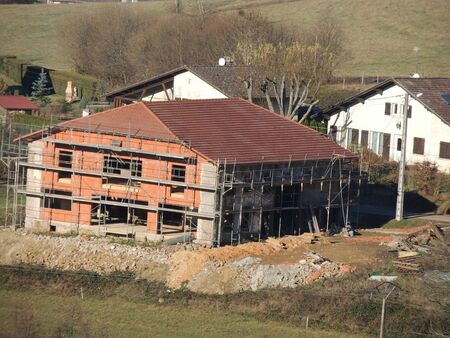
{"x":96,"y":114}
{"x":149,"y":111}
{"x":279,"y":115}
{"x":192,"y":100}
{"x":170,"y":129}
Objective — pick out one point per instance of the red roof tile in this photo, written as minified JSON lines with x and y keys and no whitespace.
{"x":135,"y":119}
{"x":219,"y":129}
{"x":17,"y":102}
{"x":237,"y":130}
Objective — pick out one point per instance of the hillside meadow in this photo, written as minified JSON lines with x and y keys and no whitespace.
{"x":386,"y":37}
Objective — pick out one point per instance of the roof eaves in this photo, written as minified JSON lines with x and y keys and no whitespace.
{"x":143,"y":82}
{"x":352,"y":100}
{"x":417,"y":98}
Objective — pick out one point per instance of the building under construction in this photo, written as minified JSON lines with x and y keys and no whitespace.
{"x":217,"y":171}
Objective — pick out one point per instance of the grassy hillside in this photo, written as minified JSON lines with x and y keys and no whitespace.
{"x":381,"y":35}
{"x":26,"y":311}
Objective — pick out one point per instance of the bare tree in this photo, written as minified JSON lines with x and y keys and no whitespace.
{"x":284,"y":73}
{"x":126,"y":45}
{"x":290,"y":72}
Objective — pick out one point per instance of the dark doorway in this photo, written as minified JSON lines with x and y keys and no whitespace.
{"x":170,"y":221}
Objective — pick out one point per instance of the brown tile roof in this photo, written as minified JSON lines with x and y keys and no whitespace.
{"x":219,"y":129}
{"x":237,"y":130}
{"x":227,"y":79}
{"x":432,"y":90}
{"x":135,"y":119}
{"x":17,"y":102}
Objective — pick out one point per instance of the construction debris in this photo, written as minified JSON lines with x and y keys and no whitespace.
{"x":417,"y":241}
{"x":219,"y":270}
{"x":250,"y":274}
{"x":408,"y":265}
{"x":379,"y":278}
{"x":438,"y":232}
{"x":414,"y":243}
{"x":404,"y":254}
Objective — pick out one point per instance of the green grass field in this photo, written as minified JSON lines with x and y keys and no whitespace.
{"x":380,"y":35}
{"x":48,"y":314}
{"x":3,"y":203}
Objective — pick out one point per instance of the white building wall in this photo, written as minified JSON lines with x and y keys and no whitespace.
{"x":159,"y":96}
{"x":189,"y":86}
{"x":370,"y":116}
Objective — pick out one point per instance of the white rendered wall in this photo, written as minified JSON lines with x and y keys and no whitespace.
{"x":191,"y":87}
{"x":187,"y":86}
{"x":159,"y":96}
{"x":370,"y":116}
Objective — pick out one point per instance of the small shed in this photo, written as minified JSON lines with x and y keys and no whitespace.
{"x":16,"y":104}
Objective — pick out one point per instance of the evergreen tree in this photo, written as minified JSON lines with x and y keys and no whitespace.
{"x":40,"y":86}
{"x":83,"y":102}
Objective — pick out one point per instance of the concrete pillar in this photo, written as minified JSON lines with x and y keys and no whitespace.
{"x":34,"y":183}
{"x":205,"y":227}
{"x":152,"y":222}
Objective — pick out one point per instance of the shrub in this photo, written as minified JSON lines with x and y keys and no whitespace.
{"x":424,"y":177}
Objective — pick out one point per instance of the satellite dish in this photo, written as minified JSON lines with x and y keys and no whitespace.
{"x":222,"y":62}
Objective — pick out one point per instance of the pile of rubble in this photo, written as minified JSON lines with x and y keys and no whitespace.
{"x":76,"y":253}
{"x":409,"y":247}
{"x":219,"y":270}
{"x":250,"y":274}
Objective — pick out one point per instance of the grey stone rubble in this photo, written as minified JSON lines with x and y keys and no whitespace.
{"x":103,"y":256}
{"x":249,"y":274}
{"x":89,"y":253}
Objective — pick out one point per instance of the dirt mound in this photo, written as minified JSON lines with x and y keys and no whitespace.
{"x":219,"y":270}
{"x":249,"y":274}
{"x":83,"y":253}
{"x":185,"y":264}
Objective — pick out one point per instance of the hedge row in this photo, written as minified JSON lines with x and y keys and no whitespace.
{"x":16,"y":69}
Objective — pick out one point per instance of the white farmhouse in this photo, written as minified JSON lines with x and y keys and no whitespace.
{"x":373,"y":119}
{"x":186,"y":83}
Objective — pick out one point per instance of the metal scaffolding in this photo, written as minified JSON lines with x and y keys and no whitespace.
{"x":250,"y":202}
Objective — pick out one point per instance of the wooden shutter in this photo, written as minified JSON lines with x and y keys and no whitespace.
{"x":409,"y":111}
{"x":364,"y":138}
{"x":399,"y":144}
{"x":387,"y":108}
{"x":355,"y":136}
{"x":444,"y":150}
{"x":419,"y":146}
{"x":386,"y":146}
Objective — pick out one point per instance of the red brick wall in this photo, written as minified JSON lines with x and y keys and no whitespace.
{"x":91,"y":159}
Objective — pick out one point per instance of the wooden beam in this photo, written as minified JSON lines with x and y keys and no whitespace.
{"x":141,"y":90}
{"x":165,"y":91}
